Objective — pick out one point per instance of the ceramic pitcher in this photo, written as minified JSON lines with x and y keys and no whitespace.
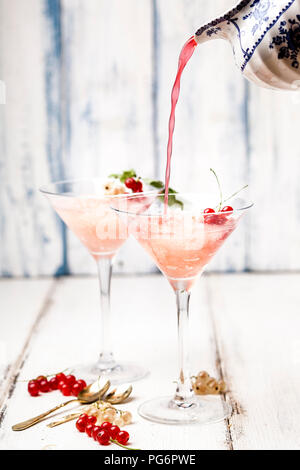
{"x":265,"y":37}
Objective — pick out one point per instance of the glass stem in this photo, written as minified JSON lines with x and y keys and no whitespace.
{"x":184,"y":390}
{"x":106,"y":359}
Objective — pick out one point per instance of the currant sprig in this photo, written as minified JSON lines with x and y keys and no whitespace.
{"x":67,"y":384}
{"x":105,"y":433}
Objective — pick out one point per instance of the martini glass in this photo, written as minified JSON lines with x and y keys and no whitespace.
{"x":85,"y":209}
{"x":182,"y":240}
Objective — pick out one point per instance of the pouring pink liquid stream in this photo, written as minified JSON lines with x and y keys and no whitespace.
{"x":185,"y":55}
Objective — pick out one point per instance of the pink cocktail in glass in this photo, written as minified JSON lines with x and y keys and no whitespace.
{"x":181,"y":239}
{"x":85,"y":209}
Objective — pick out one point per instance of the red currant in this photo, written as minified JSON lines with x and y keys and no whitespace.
{"x":96,"y":431}
{"x":33,"y":388}
{"x":82,"y":383}
{"x":40,"y":378}
{"x":66,"y":390}
{"x":60,"y":376}
{"x":70,"y":380}
{"x":114,"y":431}
{"x":123,"y":437}
{"x":106,"y":426}
{"x":81,"y":424}
{"x":138,"y":187}
{"x":103,"y":438}
{"x":227,"y":209}
{"x":91,"y":419}
{"x":44,"y":386}
{"x":76,"y":389}
{"x":53,"y":383}
{"x":61,"y":384}
{"x":130,"y":183}
{"x":89,"y":429}
{"x":84,"y":416}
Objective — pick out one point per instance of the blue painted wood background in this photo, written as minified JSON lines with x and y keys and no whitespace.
{"x":88,"y":92}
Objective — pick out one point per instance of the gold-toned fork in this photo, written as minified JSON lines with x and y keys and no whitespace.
{"x":111,"y":397}
{"x":89,"y":394}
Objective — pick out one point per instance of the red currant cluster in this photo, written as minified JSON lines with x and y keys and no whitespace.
{"x":104,"y":434}
{"x":67,"y":384}
{"x":216,"y":219}
{"x":135,"y":185}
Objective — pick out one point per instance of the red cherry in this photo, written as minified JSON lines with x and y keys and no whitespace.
{"x":227,"y":209}
{"x":103,"y":438}
{"x":70,"y":380}
{"x":89,"y":429}
{"x":44,"y":386}
{"x":209,"y":210}
{"x":130,"y":183}
{"x":95,"y":432}
{"x":66,"y":390}
{"x":114,"y":431}
{"x":81,"y":424}
{"x":60,"y":376}
{"x":123,"y":437}
{"x":53,"y":383}
{"x":33,"y":388}
{"x":91,"y":419}
{"x":106,"y":426}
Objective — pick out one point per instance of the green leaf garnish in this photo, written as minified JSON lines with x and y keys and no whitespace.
{"x":172,"y":199}
{"x":157,"y":184}
{"x":123,"y":176}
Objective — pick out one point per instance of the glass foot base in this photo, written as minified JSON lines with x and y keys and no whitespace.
{"x":202,"y":410}
{"x":124,"y":372}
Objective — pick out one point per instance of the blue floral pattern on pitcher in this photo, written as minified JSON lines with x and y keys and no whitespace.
{"x":259,"y":13}
{"x":288,"y":41}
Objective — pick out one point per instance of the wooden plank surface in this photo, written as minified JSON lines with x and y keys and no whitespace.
{"x":257,"y":325}
{"x":22,"y":306}
{"x":244,"y":327}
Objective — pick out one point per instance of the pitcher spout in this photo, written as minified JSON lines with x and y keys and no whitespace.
{"x":213,"y":30}
{"x":222,"y":27}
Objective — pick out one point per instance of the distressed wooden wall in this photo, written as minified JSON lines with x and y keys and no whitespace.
{"x":88,"y":92}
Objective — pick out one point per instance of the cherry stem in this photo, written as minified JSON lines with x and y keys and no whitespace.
{"x":121,"y":445}
{"x":220,"y":189}
{"x":234,"y":194}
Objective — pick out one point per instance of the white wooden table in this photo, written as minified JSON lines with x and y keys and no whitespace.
{"x":245,"y":328}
